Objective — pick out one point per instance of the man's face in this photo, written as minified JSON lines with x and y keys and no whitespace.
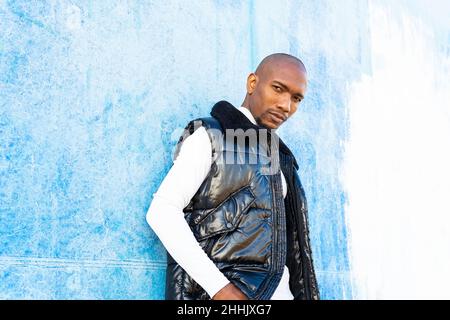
{"x":276,"y":92}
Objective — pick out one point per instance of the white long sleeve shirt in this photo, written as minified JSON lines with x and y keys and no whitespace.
{"x":166,"y":218}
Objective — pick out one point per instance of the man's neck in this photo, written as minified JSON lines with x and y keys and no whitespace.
{"x":247,"y":113}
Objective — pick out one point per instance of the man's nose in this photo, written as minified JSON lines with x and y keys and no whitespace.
{"x":285,"y":103}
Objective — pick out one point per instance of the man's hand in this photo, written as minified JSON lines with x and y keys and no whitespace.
{"x":230,"y":292}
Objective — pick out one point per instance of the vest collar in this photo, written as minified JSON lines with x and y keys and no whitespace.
{"x":231,"y":118}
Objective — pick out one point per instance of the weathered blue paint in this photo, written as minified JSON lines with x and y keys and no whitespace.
{"x":91,"y":95}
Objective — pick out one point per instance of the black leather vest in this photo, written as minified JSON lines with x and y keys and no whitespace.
{"x":239,"y":216}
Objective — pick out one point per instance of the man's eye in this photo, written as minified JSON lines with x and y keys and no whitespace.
{"x":277,"y":88}
{"x":298,"y":100}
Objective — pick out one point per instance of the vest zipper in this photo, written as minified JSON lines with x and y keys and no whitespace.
{"x":277,"y":236}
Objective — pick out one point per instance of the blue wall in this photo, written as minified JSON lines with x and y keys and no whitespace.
{"x":92,"y":97}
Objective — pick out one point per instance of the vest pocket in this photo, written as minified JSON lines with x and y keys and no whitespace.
{"x":225,"y":217}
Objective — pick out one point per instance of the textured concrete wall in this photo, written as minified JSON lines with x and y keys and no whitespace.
{"x":92,"y":97}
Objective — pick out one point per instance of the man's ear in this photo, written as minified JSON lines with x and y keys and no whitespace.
{"x":252,"y":81}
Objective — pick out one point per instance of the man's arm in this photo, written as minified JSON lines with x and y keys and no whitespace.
{"x":166,"y":216}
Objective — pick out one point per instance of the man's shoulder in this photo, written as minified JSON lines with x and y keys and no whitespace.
{"x":206,"y":122}
{"x":204,"y":126}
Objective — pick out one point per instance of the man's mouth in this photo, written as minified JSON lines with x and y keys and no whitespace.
{"x":277,"y":117}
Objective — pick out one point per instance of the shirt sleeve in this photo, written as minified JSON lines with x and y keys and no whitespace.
{"x":166,"y":217}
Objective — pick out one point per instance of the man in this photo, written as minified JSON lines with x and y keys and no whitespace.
{"x":234,"y":225}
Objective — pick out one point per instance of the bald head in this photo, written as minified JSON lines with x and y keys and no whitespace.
{"x":276,"y":60}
